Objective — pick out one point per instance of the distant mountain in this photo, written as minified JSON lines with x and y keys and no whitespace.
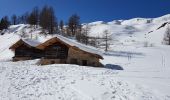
{"x":137,"y":29}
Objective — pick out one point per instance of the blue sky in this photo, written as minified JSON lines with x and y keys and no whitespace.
{"x":91,"y":10}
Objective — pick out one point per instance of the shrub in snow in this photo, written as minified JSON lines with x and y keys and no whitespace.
{"x":167,"y":36}
{"x":146,"y":44}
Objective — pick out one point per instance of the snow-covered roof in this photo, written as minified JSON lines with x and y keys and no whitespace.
{"x":28,"y":42}
{"x":31,"y":42}
{"x":72,"y":43}
{"x":83,"y":47}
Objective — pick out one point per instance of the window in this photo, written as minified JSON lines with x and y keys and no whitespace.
{"x":52,"y":62}
{"x":56,"y":47}
{"x":93,"y":64}
{"x":84,"y":62}
{"x":23,"y":52}
{"x":56,"y":51}
{"x":73,"y":61}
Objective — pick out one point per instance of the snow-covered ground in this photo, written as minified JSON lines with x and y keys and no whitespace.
{"x":27,"y":81}
{"x":138,"y":51}
{"x":147,"y":66}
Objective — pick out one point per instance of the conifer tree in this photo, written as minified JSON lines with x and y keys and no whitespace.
{"x":14,"y":19}
{"x":48,"y":19}
{"x":74,"y":25}
{"x":4,"y":24}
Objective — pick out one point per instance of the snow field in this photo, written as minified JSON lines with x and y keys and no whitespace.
{"x":26,"y":81}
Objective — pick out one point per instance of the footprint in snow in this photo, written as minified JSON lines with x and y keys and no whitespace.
{"x":113,"y":92}
{"x":73,"y":82}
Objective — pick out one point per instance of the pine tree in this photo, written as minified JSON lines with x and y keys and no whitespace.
{"x":43,"y":17}
{"x":23,"y":19}
{"x":56,"y":26}
{"x":74,"y":24}
{"x":48,"y":19}
{"x":53,"y":23}
{"x":33,"y":17}
{"x":4,"y":24}
{"x":14,"y":19}
{"x":61,"y":27}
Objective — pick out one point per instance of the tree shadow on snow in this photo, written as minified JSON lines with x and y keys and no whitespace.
{"x":113,"y":67}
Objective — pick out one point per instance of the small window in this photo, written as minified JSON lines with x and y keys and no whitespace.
{"x":74,"y":61}
{"x":56,"y":47}
{"x":93,"y":64}
{"x":52,"y":62}
{"x":84,"y":62}
{"x":63,"y":61}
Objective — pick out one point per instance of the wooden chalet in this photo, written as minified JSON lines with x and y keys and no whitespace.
{"x":58,"y":50}
{"x":25,"y":49}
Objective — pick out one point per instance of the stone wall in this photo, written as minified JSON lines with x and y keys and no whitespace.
{"x":52,"y":61}
{"x":21,"y":58}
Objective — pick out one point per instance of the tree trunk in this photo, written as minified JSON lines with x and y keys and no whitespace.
{"x":106,"y":44}
{"x":169,"y":40}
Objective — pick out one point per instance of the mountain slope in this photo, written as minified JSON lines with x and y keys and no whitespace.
{"x":136,"y":31}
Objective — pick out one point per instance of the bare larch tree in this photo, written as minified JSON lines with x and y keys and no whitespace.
{"x":107,"y":37}
{"x":167,"y":36}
